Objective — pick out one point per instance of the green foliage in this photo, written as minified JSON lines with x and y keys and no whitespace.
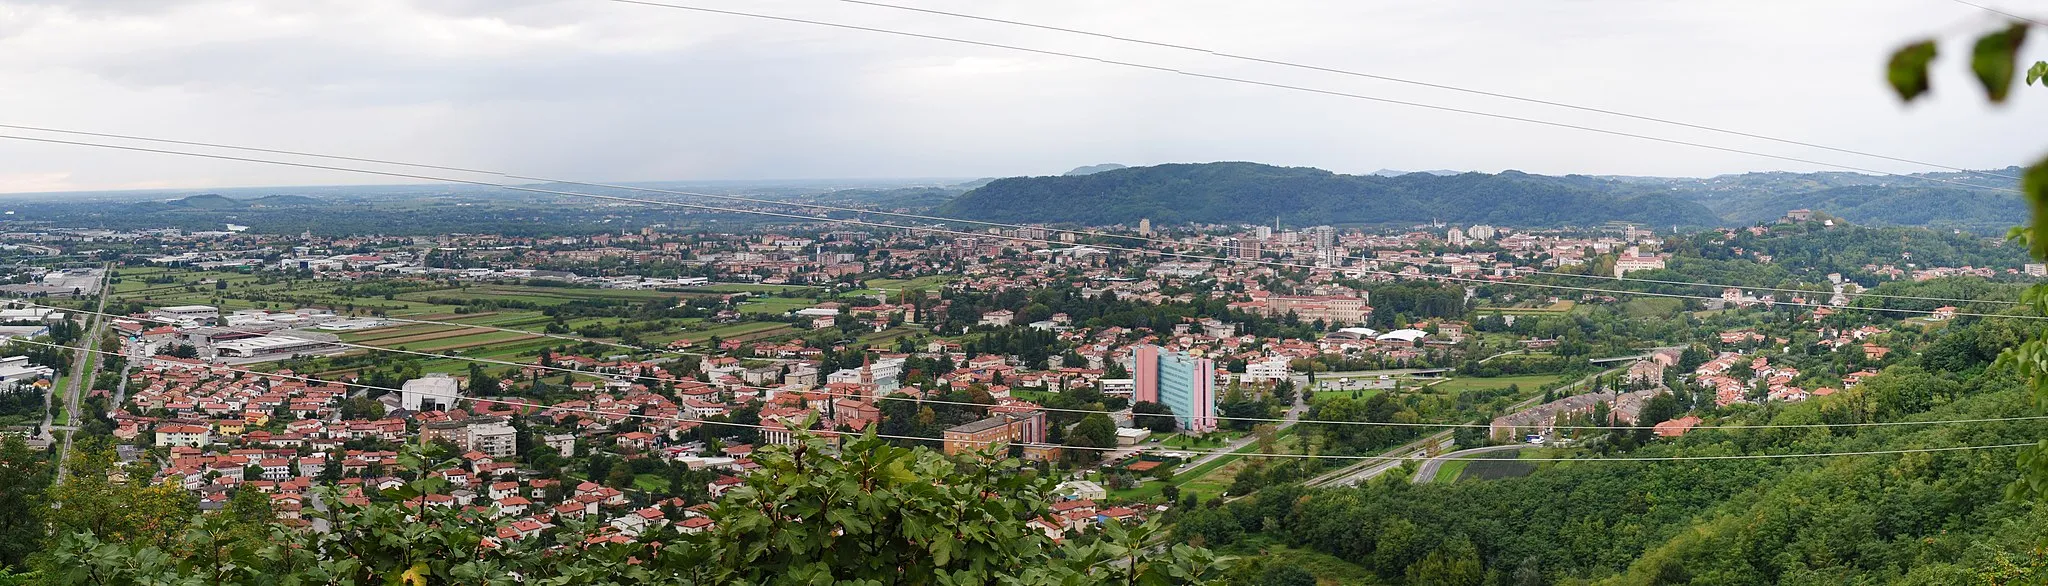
{"x":2038,"y":71}
{"x":874,"y":514}
{"x":23,"y":477}
{"x":1994,"y":58}
{"x":1235,"y":192}
{"x":1907,"y":71}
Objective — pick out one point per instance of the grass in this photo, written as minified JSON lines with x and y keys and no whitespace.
{"x":1198,"y":480}
{"x":776,"y":305}
{"x":650,"y":482}
{"x":1463,"y":384}
{"x":1188,"y":442}
{"x":1329,"y":570}
{"x":928,"y":282}
{"x":1449,"y":471}
{"x":1496,"y":466}
{"x":1652,"y":307}
{"x":1561,"y":307}
{"x":742,"y":288}
{"x":1363,"y":394}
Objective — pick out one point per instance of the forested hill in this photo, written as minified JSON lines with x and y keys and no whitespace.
{"x":1251,"y":192}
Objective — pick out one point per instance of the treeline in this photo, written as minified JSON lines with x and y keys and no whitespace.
{"x":911,"y":517}
{"x":1937,"y":517}
{"x":1399,"y":303}
{"x":1232,"y":192}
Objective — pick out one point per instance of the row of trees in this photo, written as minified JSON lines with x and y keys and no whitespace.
{"x":874,"y":514}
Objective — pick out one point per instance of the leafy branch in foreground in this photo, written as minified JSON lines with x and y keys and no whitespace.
{"x":1994,"y":59}
{"x":870,"y":514}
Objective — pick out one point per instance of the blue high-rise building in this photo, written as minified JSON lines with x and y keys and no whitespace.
{"x":1184,"y":383}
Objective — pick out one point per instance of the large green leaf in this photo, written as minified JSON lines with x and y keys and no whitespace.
{"x":1996,"y":57}
{"x":1907,"y":71}
{"x":2035,"y":186}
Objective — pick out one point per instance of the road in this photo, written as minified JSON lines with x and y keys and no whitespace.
{"x":1364,"y":470}
{"x":1293,"y":415}
{"x":120,"y":390}
{"x":83,"y":368}
{"x":1427,"y":473}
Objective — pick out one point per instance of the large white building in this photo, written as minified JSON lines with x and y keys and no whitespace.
{"x":269,"y":346}
{"x":1272,"y":369}
{"x":436,"y":392}
{"x":187,"y":313}
{"x":16,"y":370}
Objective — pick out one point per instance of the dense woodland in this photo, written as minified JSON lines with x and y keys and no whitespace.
{"x":1914,"y":518}
{"x":1236,"y":192}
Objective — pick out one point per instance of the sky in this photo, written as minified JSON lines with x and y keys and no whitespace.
{"x":607,"y":91}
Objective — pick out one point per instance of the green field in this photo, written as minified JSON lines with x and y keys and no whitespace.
{"x":1208,"y":480}
{"x":1526,"y":382}
{"x":1362,"y":394}
{"x":1449,"y":471}
{"x":542,"y":296}
{"x":746,"y":288}
{"x":1559,"y":308}
{"x":1495,"y":466}
{"x":776,"y":305}
{"x":926,"y":282}
{"x":1652,"y":307}
{"x":650,"y":482}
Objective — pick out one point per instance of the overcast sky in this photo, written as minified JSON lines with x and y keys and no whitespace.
{"x":599,"y":90}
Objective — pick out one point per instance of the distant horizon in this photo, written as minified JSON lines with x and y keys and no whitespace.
{"x":885,"y":182}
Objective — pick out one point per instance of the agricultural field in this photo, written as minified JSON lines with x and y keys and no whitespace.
{"x":929,"y":282}
{"x":776,"y":305}
{"x":1559,"y":308}
{"x":252,"y":291}
{"x":1652,"y":307}
{"x":1463,"y":384}
{"x":753,"y":288}
{"x":1493,"y":466}
{"x":539,"y":296}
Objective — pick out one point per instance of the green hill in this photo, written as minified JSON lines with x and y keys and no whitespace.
{"x":1250,"y":192}
{"x":214,"y":201}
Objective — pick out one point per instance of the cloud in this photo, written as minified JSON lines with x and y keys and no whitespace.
{"x":585,"y":89}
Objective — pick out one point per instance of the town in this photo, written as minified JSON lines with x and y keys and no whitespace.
{"x":627,"y":377}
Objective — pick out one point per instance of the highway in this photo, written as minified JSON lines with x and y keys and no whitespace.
{"x":1364,"y":470}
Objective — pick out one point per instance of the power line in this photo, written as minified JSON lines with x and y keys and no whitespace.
{"x":1306,"y":89}
{"x":546,"y":408}
{"x":931,"y":218}
{"x":2002,"y":12}
{"x":807,"y":218}
{"x":1382,"y":77}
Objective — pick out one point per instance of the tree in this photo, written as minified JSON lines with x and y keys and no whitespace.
{"x":1455,"y":563}
{"x":1659,"y":409}
{"x":1286,"y":575}
{"x":1094,"y":431}
{"x":481,"y":384}
{"x":1153,"y":416}
{"x":620,"y":477}
{"x":88,"y":502}
{"x":875,"y":514}
{"x":22,"y":479}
